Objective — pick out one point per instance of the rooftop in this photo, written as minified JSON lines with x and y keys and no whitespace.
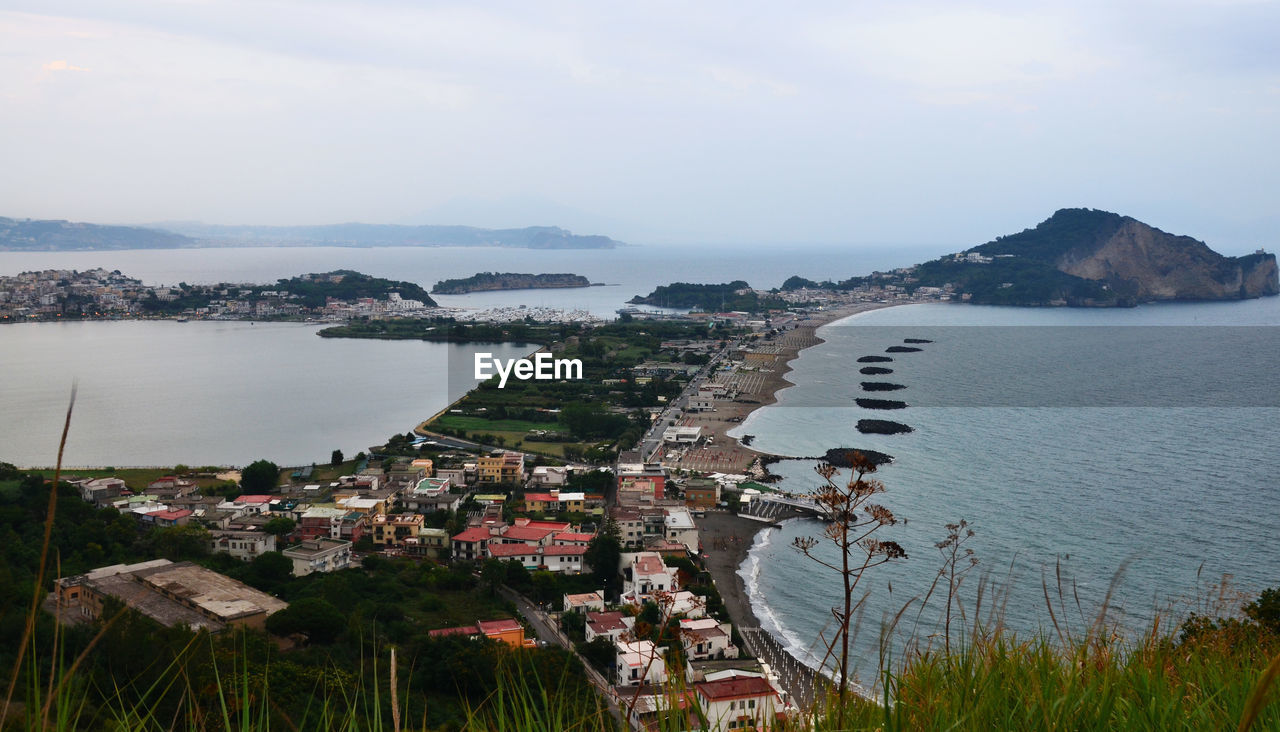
{"x":736,"y":687}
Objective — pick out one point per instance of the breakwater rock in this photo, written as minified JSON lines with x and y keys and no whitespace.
{"x":881,"y":386}
{"x":842,"y":457}
{"x":874,"y":359}
{"x":874,"y":370}
{"x":916,"y":340}
{"x":901,"y":349}
{"x":882,"y":427}
{"x":880,"y":403}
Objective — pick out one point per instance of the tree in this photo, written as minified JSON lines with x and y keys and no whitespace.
{"x":314,"y":617}
{"x":280,"y":526}
{"x":853,"y":521}
{"x":603,"y":555}
{"x":269,"y":570}
{"x":336,"y":458}
{"x":181,"y":542}
{"x":1265,"y":610}
{"x":260,"y":476}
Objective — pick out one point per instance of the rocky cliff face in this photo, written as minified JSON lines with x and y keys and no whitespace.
{"x":1154,"y":265}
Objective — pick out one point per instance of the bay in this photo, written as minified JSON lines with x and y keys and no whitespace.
{"x":1143,"y":507}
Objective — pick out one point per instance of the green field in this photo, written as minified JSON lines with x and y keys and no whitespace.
{"x":480,"y":424}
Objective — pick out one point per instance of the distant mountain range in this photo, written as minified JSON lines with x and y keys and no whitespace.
{"x":57,"y":235}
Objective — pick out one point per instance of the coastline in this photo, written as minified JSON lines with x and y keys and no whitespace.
{"x":727,"y":539}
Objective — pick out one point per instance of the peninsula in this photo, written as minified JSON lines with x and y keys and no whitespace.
{"x":483,"y":281}
{"x":1076,"y":257}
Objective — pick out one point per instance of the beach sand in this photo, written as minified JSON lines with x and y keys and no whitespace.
{"x":727,"y":538}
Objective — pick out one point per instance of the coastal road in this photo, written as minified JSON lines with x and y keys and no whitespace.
{"x":544,"y":627}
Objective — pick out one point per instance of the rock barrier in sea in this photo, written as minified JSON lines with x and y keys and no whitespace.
{"x":842,"y":457}
{"x":882,"y":427}
{"x":881,"y":386}
{"x":874,"y":359}
{"x":866,"y":403}
{"x":874,"y":370}
{"x":902,"y":349}
{"x":916,"y":340}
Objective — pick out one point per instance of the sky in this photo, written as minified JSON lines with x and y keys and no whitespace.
{"x":709,"y":123}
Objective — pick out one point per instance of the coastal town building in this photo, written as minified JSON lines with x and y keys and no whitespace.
{"x":740,"y":702}
{"x":506,"y":630}
{"x":705,"y":638}
{"x":501,"y":467}
{"x":319,"y":555}
{"x":584,"y":602}
{"x":174,"y":595}
{"x":612,"y":625}
{"x":243,"y":545}
{"x":640,"y":662}
{"x":644,"y":573}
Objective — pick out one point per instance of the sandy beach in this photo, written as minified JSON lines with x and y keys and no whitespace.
{"x":765,"y":372}
{"x":727,"y":538}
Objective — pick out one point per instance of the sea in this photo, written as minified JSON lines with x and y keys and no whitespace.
{"x":1118,"y":460}
{"x":1124,"y":458}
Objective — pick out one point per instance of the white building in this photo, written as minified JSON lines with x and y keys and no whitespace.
{"x":319,"y":555}
{"x":644,"y":573}
{"x":740,"y":702}
{"x":681,"y":435}
{"x":243,"y":545}
{"x":706,"y":639}
{"x":640,"y":662}
{"x":679,"y":527}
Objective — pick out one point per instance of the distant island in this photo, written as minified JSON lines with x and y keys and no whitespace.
{"x":482,"y":281}
{"x":58,"y":235}
{"x":715,"y":298}
{"x":1076,"y":257}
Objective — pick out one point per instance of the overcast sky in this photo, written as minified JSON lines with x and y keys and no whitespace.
{"x":700,"y":122}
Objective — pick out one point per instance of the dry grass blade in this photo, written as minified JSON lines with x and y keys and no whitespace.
{"x":1258,"y":697}
{"x":37,"y":592}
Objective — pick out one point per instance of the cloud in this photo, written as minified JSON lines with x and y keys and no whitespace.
{"x":62,"y":65}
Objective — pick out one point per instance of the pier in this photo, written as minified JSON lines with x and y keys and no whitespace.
{"x":777,"y":506}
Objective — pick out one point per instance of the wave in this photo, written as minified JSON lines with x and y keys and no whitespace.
{"x":769,"y":621}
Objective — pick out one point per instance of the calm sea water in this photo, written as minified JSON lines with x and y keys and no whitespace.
{"x":215,"y":393}
{"x":1060,"y":474}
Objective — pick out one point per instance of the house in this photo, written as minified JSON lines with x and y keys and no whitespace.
{"x":561,"y":559}
{"x":243,"y":545}
{"x":171,"y":486}
{"x":428,"y":504}
{"x":501,"y":467}
{"x":100,"y":491}
{"x":174,"y":595}
{"x":705,"y":639}
{"x":319,"y":521}
{"x":640,"y":482}
{"x":246,"y":504}
{"x":432,"y":543}
{"x":678,"y":527}
{"x":506,"y":630}
{"x":167,"y":517}
{"x":565,"y":538}
{"x":546,"y":476}
{"x":319,"y":555}
{"x":740,"y":702}
{"x":555,"y":501}
{"x":644,"y":573}
{"x":611,"y":625}
{"x":640,"y":662}
{"x":392,"y":531}
{"x":471,"y":543}
{"x":584,"y":602}
{"x":701,"y":494}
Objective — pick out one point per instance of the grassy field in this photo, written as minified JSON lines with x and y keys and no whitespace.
{"x":480,"y":424}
